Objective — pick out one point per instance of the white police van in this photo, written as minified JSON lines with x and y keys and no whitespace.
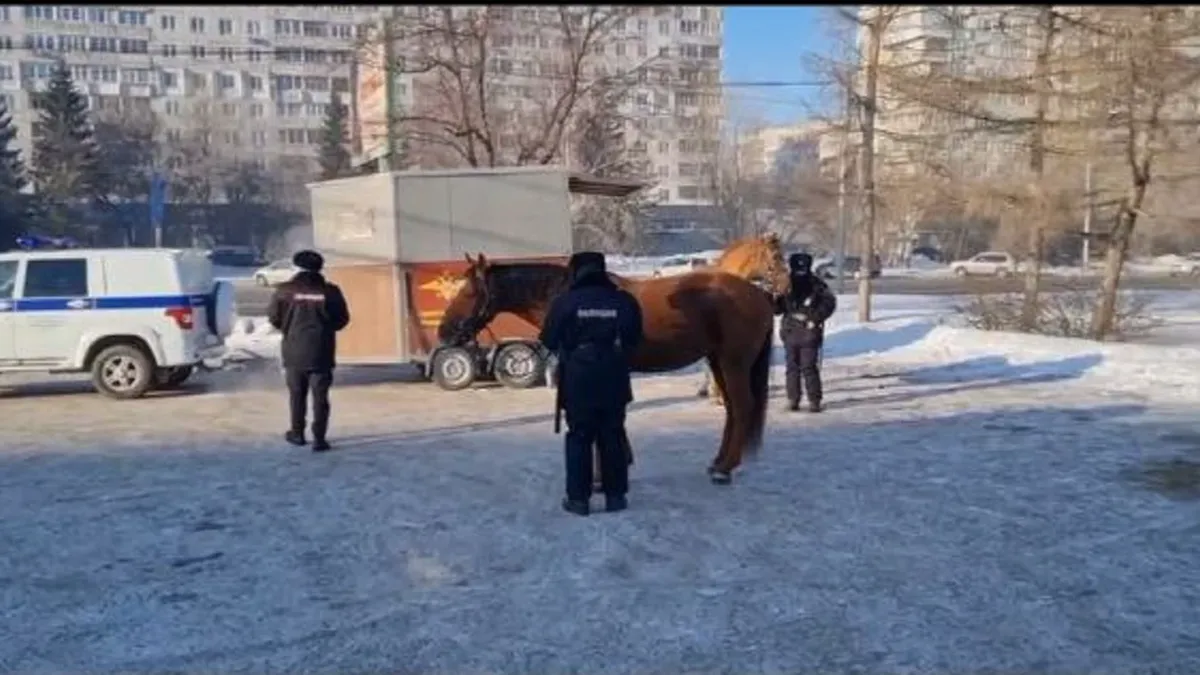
{"x":136,"y":319}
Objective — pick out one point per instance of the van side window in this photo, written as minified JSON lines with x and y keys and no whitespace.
{"x":8,"y":278}
{"x":56,"y":278}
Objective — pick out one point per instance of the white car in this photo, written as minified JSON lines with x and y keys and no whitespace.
{"x":276,"y":273}
{"x":680,"y":264}
{"x":1188,"y":267}
{"x":136,"y":319}
{"x":990,"y":263}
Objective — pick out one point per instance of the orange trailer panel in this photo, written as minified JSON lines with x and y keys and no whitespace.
{"x":433,"y":285}
{"x":374,"y":297}
{"x":395,"y":309}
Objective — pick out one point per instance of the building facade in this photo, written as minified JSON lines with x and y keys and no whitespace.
{"x":767,"y":150}
{"x":251,"y":82}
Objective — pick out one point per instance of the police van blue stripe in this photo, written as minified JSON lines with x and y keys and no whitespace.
{"x":106,"y":302}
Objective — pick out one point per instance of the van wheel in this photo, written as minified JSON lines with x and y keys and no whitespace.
{"x":123,"y":371}
{"x":169,"y":378}
{"x":519,"y":365}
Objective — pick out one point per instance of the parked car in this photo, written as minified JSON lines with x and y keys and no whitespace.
{"x":988,"y":263}
{"x":137,"y":319}
{"x":929,"y":253}
{"x":235,"y":256}
{"x":826,"y":268}
{"x":680,"y":264}
{"x":1188,"y":267}
{"x":276,"y":273}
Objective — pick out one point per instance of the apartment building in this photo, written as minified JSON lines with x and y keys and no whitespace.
{"x":254,"y":81}
{"x":962,"y":41}
{"x":763,"y":151}
{"x":674,"y":106}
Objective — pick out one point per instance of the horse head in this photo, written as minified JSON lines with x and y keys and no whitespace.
{"x":469,"y":311}
{"x":757,"y":258}
{"x":521,"y":288}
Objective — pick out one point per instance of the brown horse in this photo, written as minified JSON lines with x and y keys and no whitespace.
{"x":706,"y":314}
{"x":758,"y":259}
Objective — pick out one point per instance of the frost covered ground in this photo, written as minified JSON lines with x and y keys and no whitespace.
{"x":968,"y":503}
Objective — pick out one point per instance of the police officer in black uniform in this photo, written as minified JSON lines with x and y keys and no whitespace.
{"x":309,"y":311}
{"x":805,"y":307}
{"x":594,"y":328}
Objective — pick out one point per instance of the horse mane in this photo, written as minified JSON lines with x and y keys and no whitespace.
{"x":525,"y":284}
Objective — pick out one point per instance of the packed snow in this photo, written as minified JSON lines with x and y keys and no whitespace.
{"x":968,"y":502}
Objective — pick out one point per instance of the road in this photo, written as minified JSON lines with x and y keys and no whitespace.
{"x":252,"y":300}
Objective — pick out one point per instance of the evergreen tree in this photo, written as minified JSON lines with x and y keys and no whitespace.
{"x":66,"y":169}
{"x":334,"y":156}
{"x":14,"y":206}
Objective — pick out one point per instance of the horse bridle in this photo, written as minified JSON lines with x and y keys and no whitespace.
{"x":471,"y":325}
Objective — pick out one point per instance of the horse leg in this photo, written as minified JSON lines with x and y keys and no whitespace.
{"x":718,"y":477}
{"x":739,"y":405}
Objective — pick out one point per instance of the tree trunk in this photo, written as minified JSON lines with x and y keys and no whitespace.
{"x":1114,"y":262}
{"x":868,"y":106}
{"x":1033,"y":279}
{"x":1037,"y":165}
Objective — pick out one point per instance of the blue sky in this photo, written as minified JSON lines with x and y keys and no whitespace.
{"x":775,"y":44}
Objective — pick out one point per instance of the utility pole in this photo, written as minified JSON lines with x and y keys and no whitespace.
{"x":843,"y":146}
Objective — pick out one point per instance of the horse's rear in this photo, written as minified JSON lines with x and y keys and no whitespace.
{"x":728,"y":320}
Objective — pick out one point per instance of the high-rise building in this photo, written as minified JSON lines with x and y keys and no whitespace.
{"x":765,"y":150}
{"x":252,"y":81}
{"x":673,"y":104}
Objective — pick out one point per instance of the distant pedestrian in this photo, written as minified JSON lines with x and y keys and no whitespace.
{"x":594,"y":329}
{"x":805,"y":307}
{"x":309,"y":311}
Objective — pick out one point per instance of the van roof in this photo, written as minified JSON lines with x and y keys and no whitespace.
{"x":52,"y":254}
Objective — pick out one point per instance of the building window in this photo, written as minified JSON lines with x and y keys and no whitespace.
{"x":224,"y":81}
{"x":256,"y":110}
{"x":197,"y":24}
{"x":167,"y":22}
{"x":224,"y":26}
{"x":689,"y":192}
{"x":198,"y":51}
{"x":168,"y":80}
{"x":256,"y":83}
{"x":170,"y":50}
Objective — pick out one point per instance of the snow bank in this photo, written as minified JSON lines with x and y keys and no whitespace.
{"x":970,"y":354}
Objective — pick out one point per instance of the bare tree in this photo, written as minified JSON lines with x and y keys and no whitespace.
{"x":874,"y":23}
{"x":475,"y":104}
{"x":600,"y":147}
{"x":1139,"y":89}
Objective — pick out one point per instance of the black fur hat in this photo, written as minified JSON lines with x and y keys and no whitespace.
{"x":586,"y":261}
{"x":800,"y":263}
{"x":309,"y":261}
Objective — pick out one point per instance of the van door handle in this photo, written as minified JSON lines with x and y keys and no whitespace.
{"x":77,"y":304}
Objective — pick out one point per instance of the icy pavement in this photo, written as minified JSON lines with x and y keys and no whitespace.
{"x":948,"y":513}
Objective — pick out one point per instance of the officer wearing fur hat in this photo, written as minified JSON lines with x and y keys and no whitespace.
{"x":309,"y":311}
{"x":805,"y":307}
{"x":594,"y":328}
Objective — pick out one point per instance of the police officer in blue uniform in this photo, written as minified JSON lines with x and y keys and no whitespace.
{"x":805,"y":307}
{"x":309,"y":311}
{"x":594,"y":328}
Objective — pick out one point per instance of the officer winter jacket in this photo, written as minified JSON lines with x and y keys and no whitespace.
{"x":308,"y":311}
{"x":806,"y":307}
{"x":593,"y":328}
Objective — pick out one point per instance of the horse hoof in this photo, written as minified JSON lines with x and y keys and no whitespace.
{"x":720,"y":478}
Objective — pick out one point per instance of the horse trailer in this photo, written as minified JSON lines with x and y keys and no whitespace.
{"x":396,"y":243}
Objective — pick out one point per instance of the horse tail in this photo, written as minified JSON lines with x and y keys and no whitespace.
{"x":760,"y":385}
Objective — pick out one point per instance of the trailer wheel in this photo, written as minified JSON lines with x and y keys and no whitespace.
{"x":453,"y":368}
{"x":519,"y":365}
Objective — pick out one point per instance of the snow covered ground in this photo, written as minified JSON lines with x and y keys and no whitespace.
{"x":968,"y":502}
